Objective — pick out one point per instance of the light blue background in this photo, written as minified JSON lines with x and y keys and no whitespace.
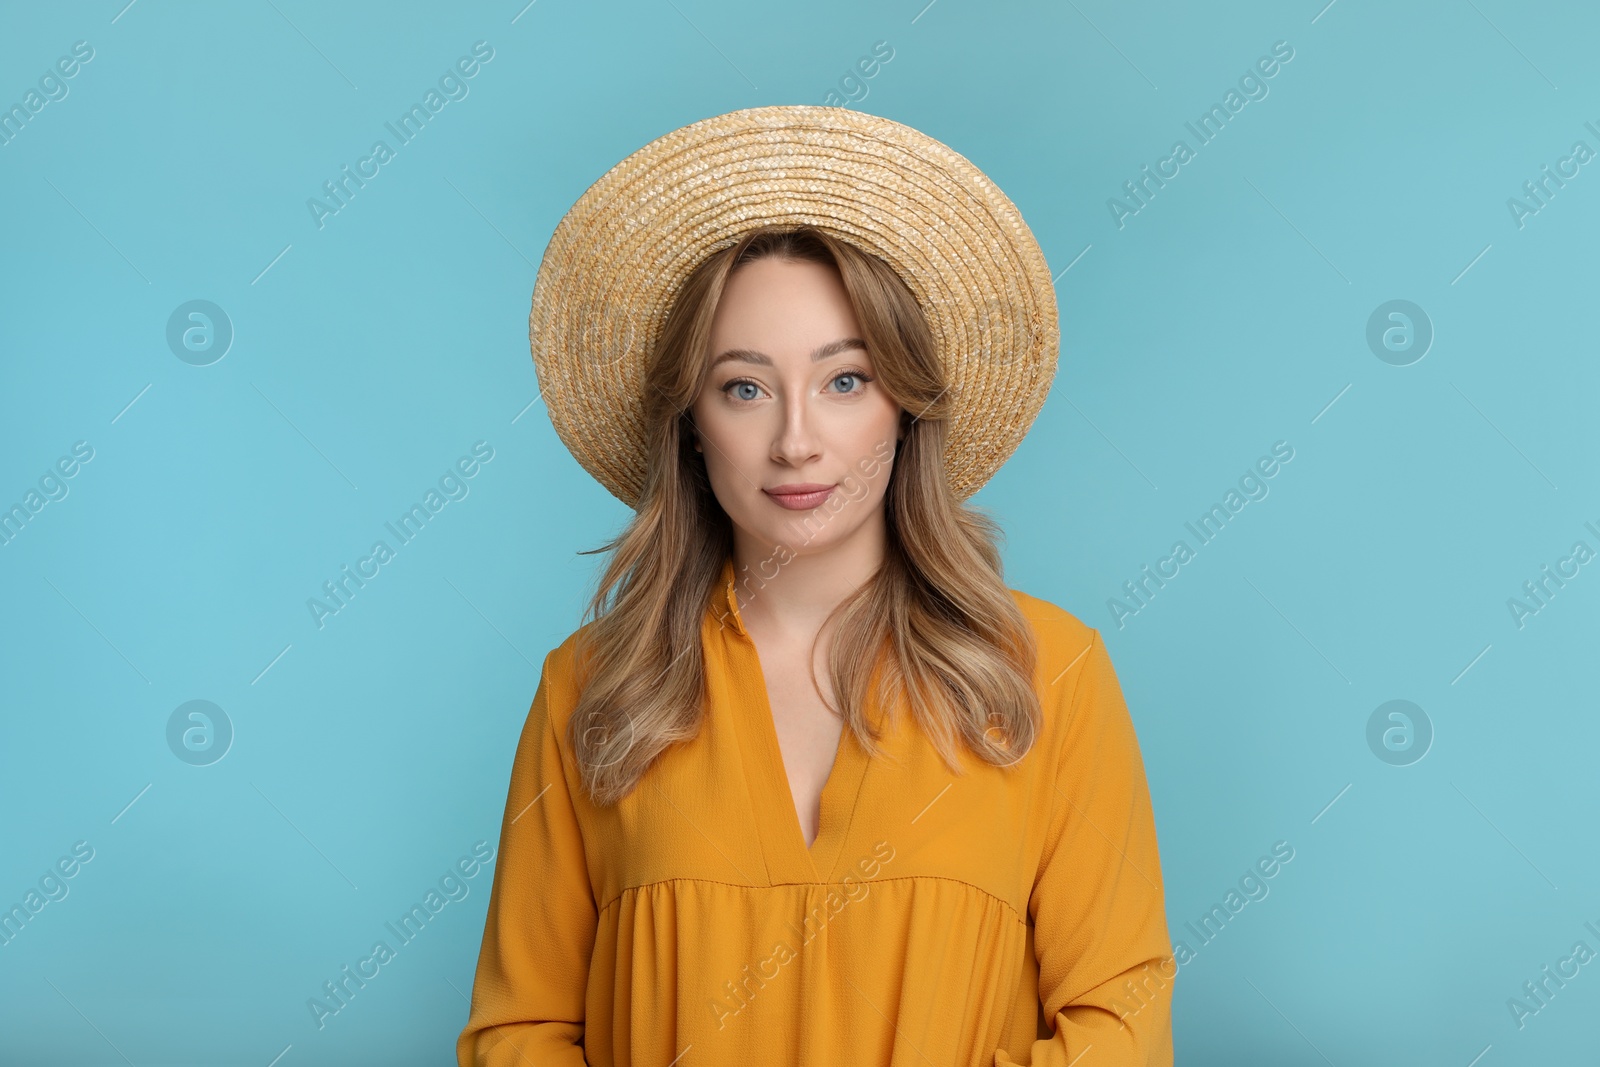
{"x":1228,"y":314}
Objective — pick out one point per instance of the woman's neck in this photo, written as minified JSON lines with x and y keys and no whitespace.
{"x":783,"y":590}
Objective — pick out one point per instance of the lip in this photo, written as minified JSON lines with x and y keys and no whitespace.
{"x":800,"y":496}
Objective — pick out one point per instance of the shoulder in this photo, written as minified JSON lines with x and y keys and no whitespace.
{"x":1067,"y":645}
{"x":1079,"y":690}
{"x":559,"y":680}
{"x":564,"y":657}
{"x":1053,"y":625}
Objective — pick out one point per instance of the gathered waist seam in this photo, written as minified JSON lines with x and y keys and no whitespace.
{"x":1016,"y":915}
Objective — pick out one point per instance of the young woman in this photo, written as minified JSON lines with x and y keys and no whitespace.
{"x":812,"y":785}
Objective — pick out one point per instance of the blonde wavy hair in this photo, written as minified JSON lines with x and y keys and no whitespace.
{"x":960,"y":647}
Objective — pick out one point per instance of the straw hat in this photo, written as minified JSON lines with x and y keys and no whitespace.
{"x":618,"y":257}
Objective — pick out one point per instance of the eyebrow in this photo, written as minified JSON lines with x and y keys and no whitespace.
{"x":750,"y":355}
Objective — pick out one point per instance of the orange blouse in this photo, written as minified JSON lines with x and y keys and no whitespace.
{"x":1004,"y":916}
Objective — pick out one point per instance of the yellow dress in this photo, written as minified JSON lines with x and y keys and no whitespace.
{"x":1004,"y":916}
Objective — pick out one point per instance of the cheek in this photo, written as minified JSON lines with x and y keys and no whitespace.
{"x":867,"y":480}
{"x":728,"y":458}
{"x":871,"y":440}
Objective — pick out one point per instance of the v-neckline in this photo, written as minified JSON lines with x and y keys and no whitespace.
{"x":837,"y":799}
{"x":776,"y":809}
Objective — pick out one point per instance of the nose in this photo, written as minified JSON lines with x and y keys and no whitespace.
{"x":796,"y":442}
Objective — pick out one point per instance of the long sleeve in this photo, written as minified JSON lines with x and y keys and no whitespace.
{"x":528,"y":994}
{"x":1105,"y":956}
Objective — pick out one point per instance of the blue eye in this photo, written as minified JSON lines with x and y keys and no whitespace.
{"x":862,"y":378}
{"x":729,"y":386}
{"x":732,"y":385}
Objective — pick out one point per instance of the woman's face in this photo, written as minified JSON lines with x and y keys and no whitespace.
{"x":792,"y":403}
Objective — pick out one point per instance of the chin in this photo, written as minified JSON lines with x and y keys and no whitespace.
{"x":806,"y":532}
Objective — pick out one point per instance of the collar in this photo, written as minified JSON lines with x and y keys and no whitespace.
{"x":726,"y":602}
{"x":723,"y":613}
